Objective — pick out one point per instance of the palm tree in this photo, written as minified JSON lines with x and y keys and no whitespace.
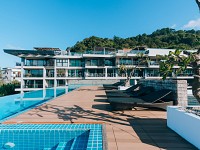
{"x":183,"y":59}
{"x":192,"y":59}
{"x":196,"y":81}
{"x":129,"y":71}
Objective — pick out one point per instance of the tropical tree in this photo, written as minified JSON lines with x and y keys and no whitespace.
{"x":183,"y":59}
{"x":9,"y":88}
{"x":161,"y":38}
{"x":130,"y":70}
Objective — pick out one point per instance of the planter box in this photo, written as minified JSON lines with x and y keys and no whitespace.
{"x":122,"y":88}
{"x":187,"y":125}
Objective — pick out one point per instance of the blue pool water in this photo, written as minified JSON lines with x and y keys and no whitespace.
{"x":52,"y":136}
{"x":12,"y":104}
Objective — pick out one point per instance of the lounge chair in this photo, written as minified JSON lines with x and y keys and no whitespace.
{"x":141,"y":92}
{"x":132,"y":88}
{"x":154,"y":99}
{"x":113,"y":86}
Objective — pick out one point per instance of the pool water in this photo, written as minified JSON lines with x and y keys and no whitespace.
{"x":52,"y":136}
{"x":13,"y":104}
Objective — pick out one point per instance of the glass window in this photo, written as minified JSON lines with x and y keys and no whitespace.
{"x":61,"y":62}
{"x":75,"y":63}
{"x":125,"y":61}
{"x":109,"y":62}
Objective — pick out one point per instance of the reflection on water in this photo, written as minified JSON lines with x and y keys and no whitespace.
{"x":13,"y":104}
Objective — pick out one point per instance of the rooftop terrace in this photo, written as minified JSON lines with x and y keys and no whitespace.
{"x":137,"y":129}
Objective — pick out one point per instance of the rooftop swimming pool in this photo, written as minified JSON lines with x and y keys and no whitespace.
{"x":51,"y":136}
{"x":13,"y":104}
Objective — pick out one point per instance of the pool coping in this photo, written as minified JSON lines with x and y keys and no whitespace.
{"x":91,"y":134}
{"x":31,"y":107}
{"x":104,"y":135}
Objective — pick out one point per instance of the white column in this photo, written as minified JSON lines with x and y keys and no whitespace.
{"x":145,"y":73}
{"x":66,"y":72}
{"x":116,"y":73}
{"x":68,"y":62}
{"x":55,"y":76}
{"x":44,"y":82}
{"x":22,"y":77}
{"x":34,"y":83}
{"x":106,"y":71}
{"x":66,"y":86}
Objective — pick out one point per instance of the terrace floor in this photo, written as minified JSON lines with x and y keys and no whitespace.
{"x":140,"y":129}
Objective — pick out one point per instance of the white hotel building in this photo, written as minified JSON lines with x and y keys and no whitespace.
{"x":43,"y":68}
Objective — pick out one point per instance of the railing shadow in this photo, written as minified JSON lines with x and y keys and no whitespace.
{"x":154,"y":131}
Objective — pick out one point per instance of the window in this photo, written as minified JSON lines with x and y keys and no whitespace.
{"x":75,"y":63}
{"x":36,"y":62}
{"x":125,"y":61}
{"x":61,"y":62}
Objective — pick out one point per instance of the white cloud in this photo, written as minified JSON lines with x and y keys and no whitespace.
{"x":10,"y":46}
{"x":192,"y":24}
{"x":173,"y":26}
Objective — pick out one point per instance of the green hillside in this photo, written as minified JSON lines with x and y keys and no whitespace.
{"x":163,"y":38}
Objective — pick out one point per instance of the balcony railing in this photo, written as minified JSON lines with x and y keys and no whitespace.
{"x":95,"y":75}
{"x":49,"y":75}
{"x":33,"y":75}
{"x":33,"y":86}
{"x":61,"y":75}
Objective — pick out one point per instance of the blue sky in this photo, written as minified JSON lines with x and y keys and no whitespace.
{"x":61,"y":23}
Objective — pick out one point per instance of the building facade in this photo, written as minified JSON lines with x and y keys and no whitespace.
{"x":10,"y":74}
{"x":43,"y":68}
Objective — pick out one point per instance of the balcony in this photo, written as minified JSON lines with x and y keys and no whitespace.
{"x":33,"y":75}
{"x":39,"y":62}
{"x":61,"y":75}
{"x":33,"y":86}
{"x":95,"y":75}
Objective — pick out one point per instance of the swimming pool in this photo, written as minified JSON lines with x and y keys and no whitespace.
{"x":12,"y":104}
{"x":52,"y":136}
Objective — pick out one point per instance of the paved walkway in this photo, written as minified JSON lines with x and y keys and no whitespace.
{"x":140,"y":129}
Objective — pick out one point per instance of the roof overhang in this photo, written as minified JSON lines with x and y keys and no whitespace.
{"x":29,"y":53}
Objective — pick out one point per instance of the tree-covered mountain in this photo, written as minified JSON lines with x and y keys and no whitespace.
{"x":162,"y":38}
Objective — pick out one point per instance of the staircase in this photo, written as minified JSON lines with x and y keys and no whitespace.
{"x":73,"y":144}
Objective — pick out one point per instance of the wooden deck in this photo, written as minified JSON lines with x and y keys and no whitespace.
{"x":140,"y":129}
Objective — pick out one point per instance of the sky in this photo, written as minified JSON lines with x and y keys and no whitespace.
{"x":25,"y":24}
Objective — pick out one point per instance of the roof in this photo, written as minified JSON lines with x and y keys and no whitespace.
{"x":46,"y":49}
{"x":23,"y":53}
{"x":155,"y":51}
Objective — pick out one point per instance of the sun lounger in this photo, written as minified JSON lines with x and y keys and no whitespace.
{"x":130,"y":89}
{"x":154,"y":99}
{"x":142,"y":91}
{"x":113,"y":86}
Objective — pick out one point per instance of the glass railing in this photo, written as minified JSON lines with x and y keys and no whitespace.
{"x":61,"y":75}
{"x":74,"y":54}
{"x":33,"y":86}
{"x":49,"y":75}
{"x":95,"y":75}
{"x":153,"y":63}
{"x":33,"y":75}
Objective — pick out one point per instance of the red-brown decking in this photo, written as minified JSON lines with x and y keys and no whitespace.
{"x":140,"y":129}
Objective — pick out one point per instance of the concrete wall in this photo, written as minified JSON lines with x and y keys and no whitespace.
{"x":185,"y":124}
{"x":179,"y":88}
{"x":92,"y":82}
